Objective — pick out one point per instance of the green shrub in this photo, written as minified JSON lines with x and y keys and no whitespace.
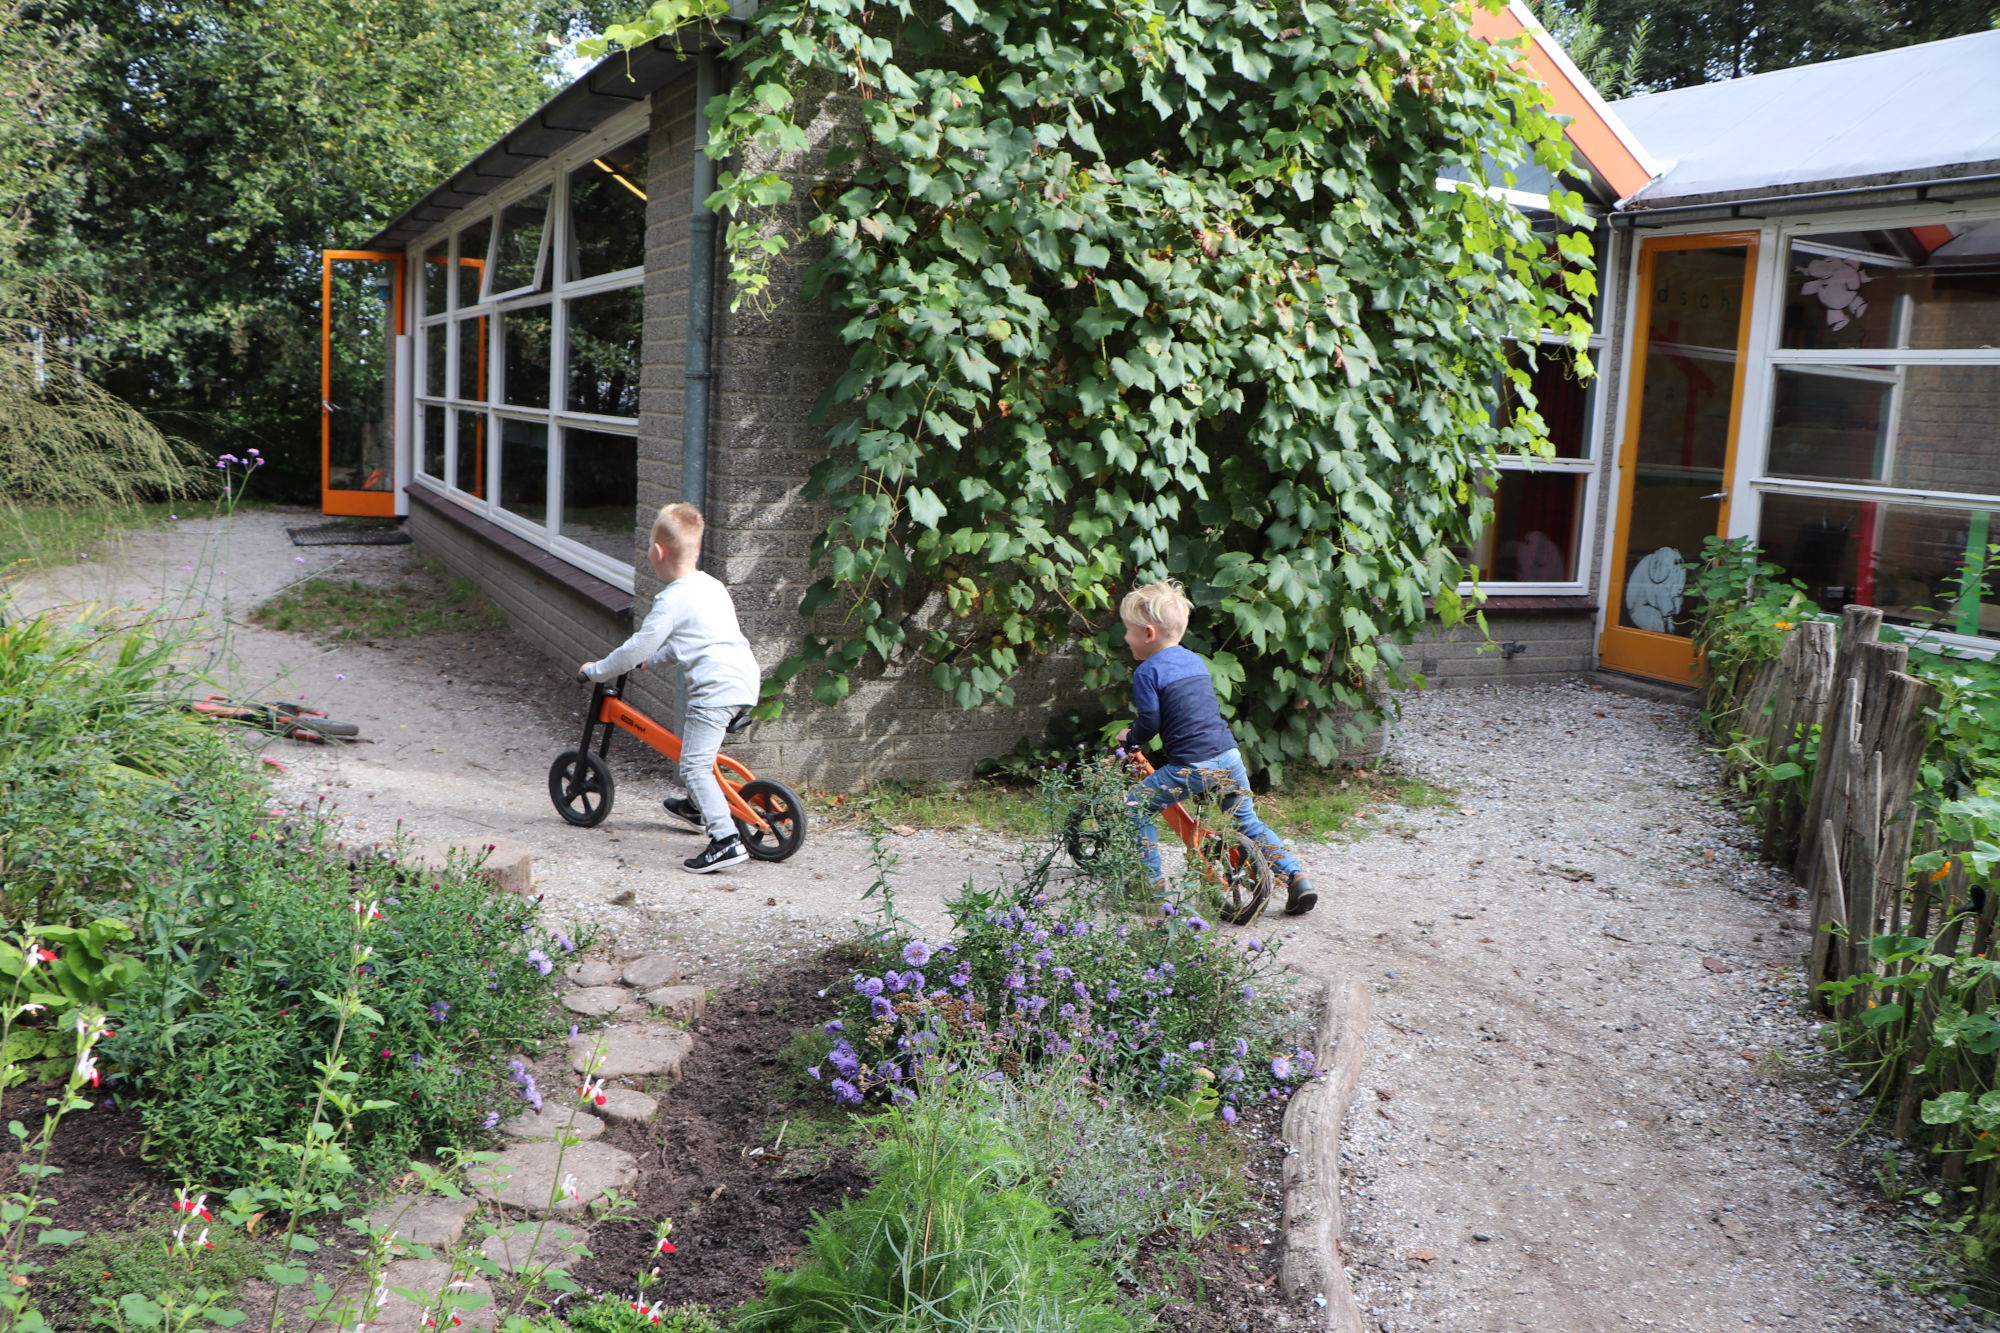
{"x":141,"y":1262}
{"x":458,"y":979}
{"x":1116,"y":1170}
{"x":950,"y":1237}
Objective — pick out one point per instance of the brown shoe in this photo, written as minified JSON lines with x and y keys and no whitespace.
{"x":1299,"y":897}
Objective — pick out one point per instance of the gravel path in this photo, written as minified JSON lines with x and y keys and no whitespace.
{"x":1571,"y":1119}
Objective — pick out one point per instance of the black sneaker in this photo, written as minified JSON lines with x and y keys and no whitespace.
{"x":1299,"y":897}
{"x":685,"y":810}
{"x":720,"y":854}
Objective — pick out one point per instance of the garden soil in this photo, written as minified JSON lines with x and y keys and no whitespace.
{"x":1587,"y":1104}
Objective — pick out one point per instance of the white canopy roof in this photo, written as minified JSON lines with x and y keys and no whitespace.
{"x":1910,"y":111}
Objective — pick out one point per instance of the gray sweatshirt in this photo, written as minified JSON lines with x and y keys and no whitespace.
{"x":692,"y":622}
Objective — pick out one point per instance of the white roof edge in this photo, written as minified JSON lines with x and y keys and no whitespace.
{"x":1554,"y":51}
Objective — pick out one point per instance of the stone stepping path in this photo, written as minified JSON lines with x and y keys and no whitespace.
{"x":527,"y":1176}
{"x":428,"y":1278}
{"x":518,"y":1246}
{"x":552,"y":1122}
{"x":641,"y":1050}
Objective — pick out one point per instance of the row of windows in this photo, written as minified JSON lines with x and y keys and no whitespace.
{"x":530,"y":327}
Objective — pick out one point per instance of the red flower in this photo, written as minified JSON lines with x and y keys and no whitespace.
{"x":667,"y":1246}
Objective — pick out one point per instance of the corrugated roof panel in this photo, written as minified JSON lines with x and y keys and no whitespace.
{"x":1911,"y":109}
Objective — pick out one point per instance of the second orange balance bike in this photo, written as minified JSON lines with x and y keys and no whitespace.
{"x":769,"y":815}
{"x":1232,"y":864}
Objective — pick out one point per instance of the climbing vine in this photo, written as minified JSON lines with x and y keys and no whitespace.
{"x":1145,"y":289}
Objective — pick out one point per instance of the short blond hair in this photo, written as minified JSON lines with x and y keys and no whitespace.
{"x":1162,"y":605}
{"x":678,"y":528}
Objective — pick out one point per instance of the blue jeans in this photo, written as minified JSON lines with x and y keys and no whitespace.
{"x":1224,"y":775}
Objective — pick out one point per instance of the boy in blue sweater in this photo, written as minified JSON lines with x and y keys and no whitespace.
{"x":1173,"y":699}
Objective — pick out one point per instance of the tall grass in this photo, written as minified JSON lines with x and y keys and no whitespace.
{"x":93,"y":751}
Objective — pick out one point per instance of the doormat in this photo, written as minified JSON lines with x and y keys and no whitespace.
{"x":340,"y":534}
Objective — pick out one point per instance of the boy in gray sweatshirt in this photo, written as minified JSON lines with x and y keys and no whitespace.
{"x":693,"y":623}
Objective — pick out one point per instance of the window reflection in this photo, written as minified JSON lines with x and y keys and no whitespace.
{"x":1909,"y":561}
{"x":437,"y":277}
{"x":600,"y":490}
{"x":472,"y":243}
{"x":469,"y":453}
{"x":1929,"y":288}
{"x":604,"y":342}
{"x":607,"y":211}
{"x":524,"y":468}
{"x":1532,"y":536}
{"x":526,"y":354}
{"x":431,"y":456}
{"x":519,"y":253}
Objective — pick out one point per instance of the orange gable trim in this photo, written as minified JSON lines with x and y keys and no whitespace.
{"x":1608,"y":147}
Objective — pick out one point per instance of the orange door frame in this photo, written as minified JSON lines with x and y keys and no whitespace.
{"x":1641,"y":652}
{"x":347,"y":503}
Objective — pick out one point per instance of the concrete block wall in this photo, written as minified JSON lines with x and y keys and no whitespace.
{"x":1551,"y":647}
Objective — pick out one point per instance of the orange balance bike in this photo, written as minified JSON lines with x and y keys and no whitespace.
{"x":1231,"y":862}
{"x":769,"y":815}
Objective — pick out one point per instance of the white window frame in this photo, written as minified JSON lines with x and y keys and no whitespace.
{"x":552,"y":289}
{"x":1752,"y":482}
{"x":1590,"y":465}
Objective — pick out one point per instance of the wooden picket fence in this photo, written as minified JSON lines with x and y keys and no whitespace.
{"x":1844,"y":822}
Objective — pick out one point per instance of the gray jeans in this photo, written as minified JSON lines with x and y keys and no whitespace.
{"x":702,"y":730}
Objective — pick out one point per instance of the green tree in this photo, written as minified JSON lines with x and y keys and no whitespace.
{"x":223,"y":144}
{"x":1727,"y":39}
{"x":1145,"y":289}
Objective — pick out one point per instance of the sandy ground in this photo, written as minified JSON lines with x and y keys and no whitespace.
{"x":1572,"y":1119}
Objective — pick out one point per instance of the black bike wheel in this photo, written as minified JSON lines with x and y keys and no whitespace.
{"x":1239,"y":873}
{"x":580,"y":785}
{"x":1089,"y":834}
{"x":784,"y":814}
{"x":327,"y":727}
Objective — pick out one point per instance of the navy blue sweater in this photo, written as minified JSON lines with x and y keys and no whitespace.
{"x":1173,"y":698}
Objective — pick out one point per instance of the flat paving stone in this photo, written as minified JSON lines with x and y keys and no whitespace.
{"x":516,"y":1247}
{"x":428,"y":1277}
{"x":552,"y":1121}
{"x":628,"y":1105}
{"x":653,"y":971}
{"x":686,"y":1003}
{"x":638,"y":1051}
{"x":597,"y":1001}
{"x":425,"y":1219}
{"x":592,"y":972}
{"x":526,"y":1176}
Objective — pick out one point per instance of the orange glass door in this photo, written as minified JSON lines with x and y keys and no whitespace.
{"x":360,"y":320}
{"x":1683,"y":415}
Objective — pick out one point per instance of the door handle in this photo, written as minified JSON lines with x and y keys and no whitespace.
{"x":1719,"y":495}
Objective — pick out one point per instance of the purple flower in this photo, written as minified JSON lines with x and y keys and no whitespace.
{"x":961,"y":979}
{"x":1111,"y":993}
{"x":1249,"y":992}
{"x":869,"y":986}
{"x":1228,"y":1115}
{"x":914,"y":981}
{"x":540,"y":962}
{"x":1168,"y":909}
{"x":881,"y":1008}
{"x":846,"y":1093}
{"x":834,"y":1025}
{"x":1082,"y":991}
{"x":1196,"y":924}
{"x":439,"y":1008}
{"x":893,"y":980}
{"x":844,"y":1060}
{"x":1281,"y":1068}
{"x":567,"y":945}
{"x":1242,"y":1048}
{"x":1253,"y":946}
{"x":492,"y":1119}
{"x":916,"y":953}
{"x":812,"y":1072}
{"x":1015,"y":981}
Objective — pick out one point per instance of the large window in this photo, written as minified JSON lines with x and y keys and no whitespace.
{"x":1881,"y":476}
{"x":1535,"y":540}
{"x":530,"y":320}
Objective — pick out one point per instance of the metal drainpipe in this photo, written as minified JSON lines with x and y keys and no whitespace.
{"x":699,"y":393}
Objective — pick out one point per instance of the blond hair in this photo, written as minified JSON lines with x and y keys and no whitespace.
{"x":1162,"y":605}
{"x":678,"y":528}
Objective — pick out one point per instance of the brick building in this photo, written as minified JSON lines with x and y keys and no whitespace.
{"x":1796,"y":340}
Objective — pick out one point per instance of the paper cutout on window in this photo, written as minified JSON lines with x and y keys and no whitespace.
{"x":1540,"y":560}
{"x":1837,"y":284}
{"x":1653,"y":590}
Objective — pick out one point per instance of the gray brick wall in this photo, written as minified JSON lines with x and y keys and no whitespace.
{"x":1551,"y":647}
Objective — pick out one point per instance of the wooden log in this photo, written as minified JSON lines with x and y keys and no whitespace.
{"x":1833,"y":785}
{"x":1859,"y":625}
{"x":1829,"y":918}
{"x":1808,"y":659}
{"x":1311,"y":1263}
{"x":1917,"y":921}
{"x":1906,"y":735}
{"x":1864,"y":841}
